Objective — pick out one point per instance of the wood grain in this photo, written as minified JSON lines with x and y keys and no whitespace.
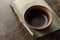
{"x":55,"y":5}
{"x":10,"y":26}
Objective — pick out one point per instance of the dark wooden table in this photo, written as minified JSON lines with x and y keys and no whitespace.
{"x":10,"y":26}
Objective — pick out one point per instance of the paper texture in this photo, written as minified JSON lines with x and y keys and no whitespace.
{"x":20,"y":6}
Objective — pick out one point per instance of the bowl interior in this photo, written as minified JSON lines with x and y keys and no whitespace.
{"x":36,"y":17}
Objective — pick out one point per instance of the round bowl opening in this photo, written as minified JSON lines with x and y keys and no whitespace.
{"x":37,"y":17}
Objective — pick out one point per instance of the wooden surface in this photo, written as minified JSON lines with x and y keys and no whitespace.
{"x":55,"y":5}
{"x":10,"y":26}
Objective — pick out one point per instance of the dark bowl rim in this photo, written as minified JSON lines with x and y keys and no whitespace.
{"x":44,"y":9}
